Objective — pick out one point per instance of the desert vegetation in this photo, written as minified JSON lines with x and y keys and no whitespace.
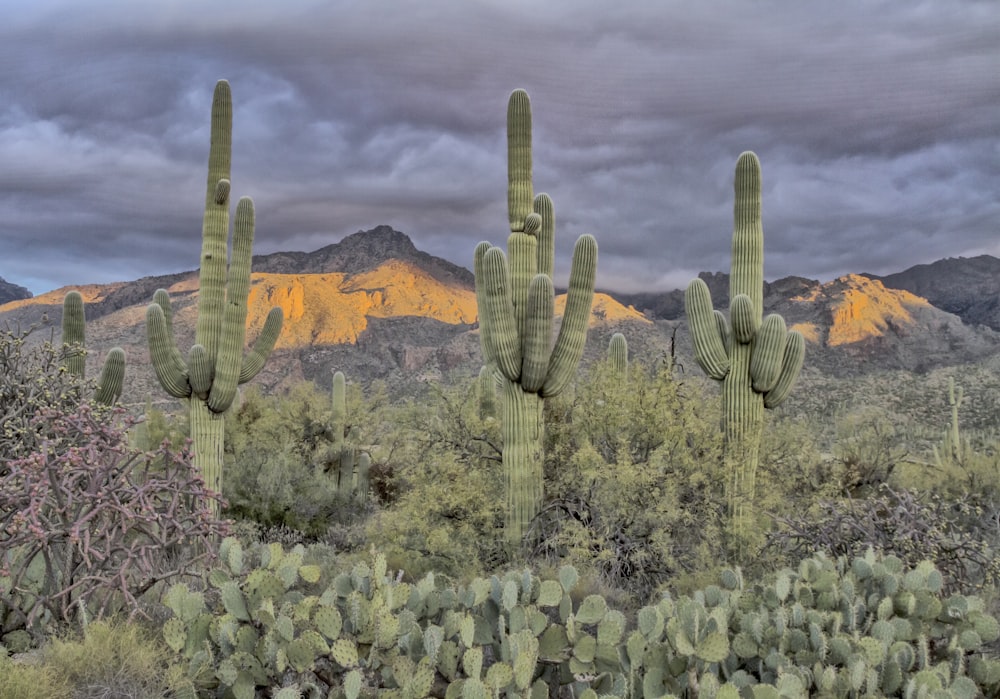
{"x":546,"y":528}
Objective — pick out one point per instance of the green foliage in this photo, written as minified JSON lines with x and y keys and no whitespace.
{"x":834,"y":628}
{"x":870,"y":446}
{"x":30,"y":680}
{"x":634,"y":479}
{"x":964,"y":463}
{"x":448,"y":511}
{"x":275,"y":446}
{"x":111,"y":659}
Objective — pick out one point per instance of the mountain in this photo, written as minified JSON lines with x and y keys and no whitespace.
{"x":377,"y":308}
{"x":371,"y":305}
{"x":856,"y":323}
{"x":969,"y":287}
{"x":12,"y":292}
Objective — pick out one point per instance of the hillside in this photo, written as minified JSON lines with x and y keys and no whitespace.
{"x":377,"y":308}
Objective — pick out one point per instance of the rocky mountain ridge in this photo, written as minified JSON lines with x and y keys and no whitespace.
{"x":377,"y":308}
{"x":12,"y":292}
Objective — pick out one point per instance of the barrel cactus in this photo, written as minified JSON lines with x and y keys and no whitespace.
{"x":757,"y":359}
{"x":516,"y":301}
{"x":215,"y":366}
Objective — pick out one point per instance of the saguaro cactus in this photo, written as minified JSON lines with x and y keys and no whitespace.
{"x":344,"y":461}
{"x":756,"y":359}
{"x":74,"y":322}
{"x":215,"y":365}
{"x":618,"y":354}
{"x":516,"y":310}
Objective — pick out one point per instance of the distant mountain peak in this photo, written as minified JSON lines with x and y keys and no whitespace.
{"x":362,"y":252}
{"x":966,"y":286}
{"x":12,"y":292}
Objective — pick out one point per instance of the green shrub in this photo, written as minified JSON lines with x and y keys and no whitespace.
{"x":274,"y":445}
{"x":29,"y":679}
{"x":447,"y":482}
{"x":634,"y":480}
{"x":111,"y":659}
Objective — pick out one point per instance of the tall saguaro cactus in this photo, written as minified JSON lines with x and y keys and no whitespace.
{"x":74,"y":323}
{"x":516,"y":301}
{"x":757,"y":359}
{"x":215,"y":364}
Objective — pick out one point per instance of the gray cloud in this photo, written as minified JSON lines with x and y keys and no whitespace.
{"x":875,"y":122}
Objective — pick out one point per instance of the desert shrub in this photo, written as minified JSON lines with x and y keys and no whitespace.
{"x":634,"y":487}
{"x":447,"y":514}
{"x":275,"y":447}
{"x":870,"y":445}
{"x":110,"y":659}
{"x":88,"y":524}
{"x":30,"y":679}
{"x":959,"y":537}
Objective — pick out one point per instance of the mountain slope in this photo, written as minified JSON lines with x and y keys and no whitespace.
{"x":969,"y":287}
{"x":371,"y":305}
{"x":12,"y":292}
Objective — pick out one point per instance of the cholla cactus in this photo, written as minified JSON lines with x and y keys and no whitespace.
{"x":74,"y":322}
{"x":757,"y":360}
{"x":215,"y":365}
{"x":515,"y":295}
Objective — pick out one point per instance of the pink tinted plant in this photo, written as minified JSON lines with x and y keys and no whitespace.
{"x":89,"y":524}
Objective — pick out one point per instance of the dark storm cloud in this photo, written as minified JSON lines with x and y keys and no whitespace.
{"x":876,"y":124}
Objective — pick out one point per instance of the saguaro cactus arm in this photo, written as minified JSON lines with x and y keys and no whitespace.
{"x":710,"y":345}
{"x":573,"y":331}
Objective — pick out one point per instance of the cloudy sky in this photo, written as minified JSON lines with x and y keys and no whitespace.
{"x":877,"y":124}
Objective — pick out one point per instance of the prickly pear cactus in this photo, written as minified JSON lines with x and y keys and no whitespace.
{"x":837,"y":628}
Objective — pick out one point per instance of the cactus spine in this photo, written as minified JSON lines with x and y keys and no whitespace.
{"x":756,"y":359}
{"x":515,"y":295}
{"x":215,"y":365}
{"x":74,"y":322}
